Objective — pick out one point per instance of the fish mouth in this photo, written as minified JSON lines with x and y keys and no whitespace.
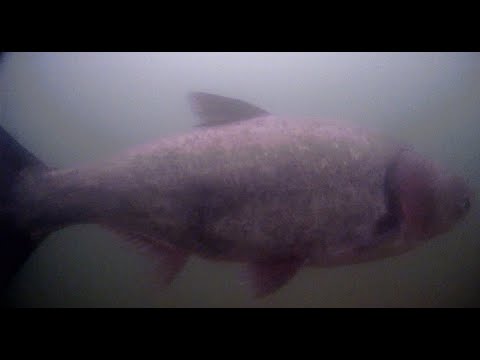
{"x":469,"y":197}
{"x":464,"y":195}
{"x":469,"y":200}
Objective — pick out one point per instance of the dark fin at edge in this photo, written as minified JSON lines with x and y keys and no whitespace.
{"x":218,"y":110}
{"x":16,"y":243}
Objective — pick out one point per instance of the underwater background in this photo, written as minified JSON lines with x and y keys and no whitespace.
{"x":73,"y":108}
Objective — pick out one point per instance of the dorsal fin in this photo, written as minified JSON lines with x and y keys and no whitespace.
{"x":218,"y":110}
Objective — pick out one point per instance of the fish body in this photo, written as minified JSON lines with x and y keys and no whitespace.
{"x":274,"y":193}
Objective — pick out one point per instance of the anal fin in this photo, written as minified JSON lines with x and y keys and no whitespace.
{"x":267,"y":277}
{"x":169,"y":260}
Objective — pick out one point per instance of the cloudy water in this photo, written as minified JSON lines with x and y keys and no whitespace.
{"x":71,"y":109}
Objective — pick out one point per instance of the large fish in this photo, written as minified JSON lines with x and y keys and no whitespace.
{"x":274,"y":193}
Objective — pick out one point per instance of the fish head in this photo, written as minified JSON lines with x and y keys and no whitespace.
{"x":431,"y":199}
{"x":453,"y":200}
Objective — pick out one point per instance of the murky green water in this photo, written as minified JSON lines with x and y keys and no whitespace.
{"x":71,"y":108}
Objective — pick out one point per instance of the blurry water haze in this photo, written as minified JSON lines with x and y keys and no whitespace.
{"x":72,"y":108}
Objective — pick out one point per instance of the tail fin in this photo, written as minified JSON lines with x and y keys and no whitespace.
{"x":16,"y":243}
